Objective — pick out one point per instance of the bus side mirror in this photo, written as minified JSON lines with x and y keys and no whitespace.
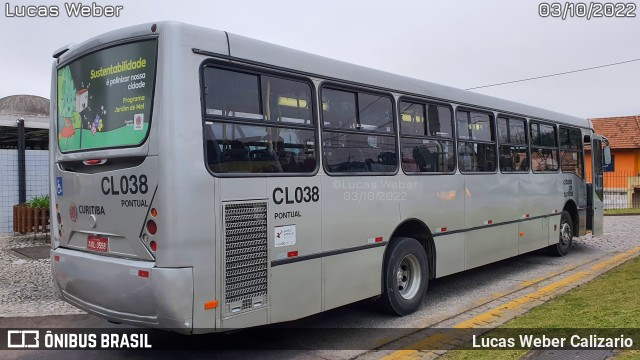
{"x":607,"y":155}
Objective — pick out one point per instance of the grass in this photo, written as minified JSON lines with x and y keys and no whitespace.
{"x":628,"y":355}
{"x":609,"y":301}
{"x":621,"y":211}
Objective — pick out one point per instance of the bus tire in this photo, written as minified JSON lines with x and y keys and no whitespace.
{"x":406,"y":276}
{"x":561,"y":248}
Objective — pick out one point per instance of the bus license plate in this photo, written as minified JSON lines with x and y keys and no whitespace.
{"x":97,"y":243}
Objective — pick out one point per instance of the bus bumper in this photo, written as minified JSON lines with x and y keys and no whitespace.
{"x":126,"y":291}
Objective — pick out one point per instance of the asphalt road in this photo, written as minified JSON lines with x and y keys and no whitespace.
{"x":330,"y":335}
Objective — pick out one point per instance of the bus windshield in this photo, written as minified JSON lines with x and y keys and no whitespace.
{"x":105,"y":98}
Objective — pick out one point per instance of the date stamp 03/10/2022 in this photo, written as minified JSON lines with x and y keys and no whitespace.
{"x":587,"y":10}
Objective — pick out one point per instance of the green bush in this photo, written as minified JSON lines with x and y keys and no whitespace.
{"x":40,"y":202}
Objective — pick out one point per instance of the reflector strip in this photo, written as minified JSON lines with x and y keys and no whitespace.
{"x":292,"y":253}
{"x":488,"y":222}
{"x":56,"y":258}
{"x":143,"y":273}
{"x":374,"y":240}
{"x":211,"y":305}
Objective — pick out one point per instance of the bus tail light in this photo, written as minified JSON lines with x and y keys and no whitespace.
{"x":148,"y":234}
{"x":95,"y":162}
{"x":152,"y":228}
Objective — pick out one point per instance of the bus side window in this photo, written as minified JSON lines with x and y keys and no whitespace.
{"x":358,"y":132}
{"x":257,"y":123}
{"x":512,"y":141}
{"x":544,"y":147}
{"x":476,"y":144}
{"x":571,"y":159}
{"x":426,"y":138}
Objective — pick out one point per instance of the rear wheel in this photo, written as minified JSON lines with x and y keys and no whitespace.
{"x":406,"y":275}
{"x":565,"y":236}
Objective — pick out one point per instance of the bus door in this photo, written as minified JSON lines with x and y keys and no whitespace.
{"x":597,"y":187}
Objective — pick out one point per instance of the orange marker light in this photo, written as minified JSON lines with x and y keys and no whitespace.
{"x":521,"y":233}
{"x":154,"y":212}
{"x":211,"y":305}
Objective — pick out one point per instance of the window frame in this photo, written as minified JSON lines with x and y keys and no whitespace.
{"x":333,"y":85}
{"x":557,"y":147}
{"x":493,"y":116}
{"x":453,"y":138}
{"x":581,"y":150}
{"x":526,"y":141}
{"x":258,"y":71}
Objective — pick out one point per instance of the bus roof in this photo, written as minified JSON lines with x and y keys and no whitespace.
{"x":257,"y":51}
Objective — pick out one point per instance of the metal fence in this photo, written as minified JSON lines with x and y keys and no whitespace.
{"x":621,"y":190}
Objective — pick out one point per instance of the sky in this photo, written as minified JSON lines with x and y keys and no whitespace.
{"x":458,"y":43}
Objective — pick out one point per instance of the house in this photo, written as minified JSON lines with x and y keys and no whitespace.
{"x":622,"y":176}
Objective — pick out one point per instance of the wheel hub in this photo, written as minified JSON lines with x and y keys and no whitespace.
{"x":565,"y":234}
{"x":408,"y":276}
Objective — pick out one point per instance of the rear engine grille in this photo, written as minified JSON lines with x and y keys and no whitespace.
{"x":245,"y":256}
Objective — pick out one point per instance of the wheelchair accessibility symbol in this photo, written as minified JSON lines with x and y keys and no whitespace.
{"x":59,"y":186}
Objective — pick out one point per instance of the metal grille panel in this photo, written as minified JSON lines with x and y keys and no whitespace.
{"x":246,"y":256}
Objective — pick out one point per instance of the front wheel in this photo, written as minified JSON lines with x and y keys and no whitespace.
{"x":565,"y":237}
{"x":406,"y":275}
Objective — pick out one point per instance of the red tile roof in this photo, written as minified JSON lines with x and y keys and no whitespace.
{"x":623,"y":132}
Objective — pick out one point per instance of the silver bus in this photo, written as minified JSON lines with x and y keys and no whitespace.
{"x":204,"y":181}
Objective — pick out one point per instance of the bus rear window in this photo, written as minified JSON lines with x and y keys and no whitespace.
{"x":105,"y":98}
